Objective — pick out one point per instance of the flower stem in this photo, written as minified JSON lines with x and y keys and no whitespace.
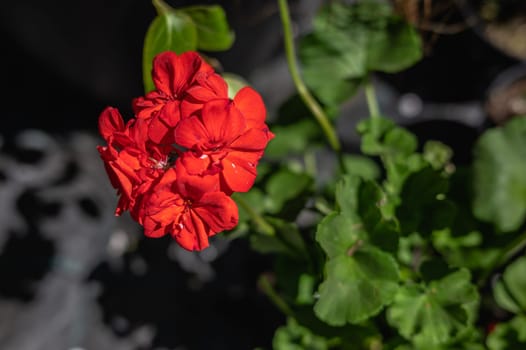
{"x":161,"y":7}
{"x":372,"y":105}
{"x":372,"y":101}
{"x":262,"y":224}
{"x":506,"y":254}
{"x":269,"y":291}
{"x":304,"y":93}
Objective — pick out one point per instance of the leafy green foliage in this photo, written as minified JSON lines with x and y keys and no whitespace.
{"x":437,"y":313}
{"x":499,"y":180}
{"x":296,"y":337}
{"x":285,"y":240}
{"x":286,"y":191}
{"x":386,"y":255}
{"x":357,"y":287}
{"x":349,"y":41}
{"x":510,"y":291}
{"x":360,"y":278}
{"x":437,"y":154}
{"x":213,"y":31}
{"x":361,"y":166}
{"x":422,"y":209}
{"x":509,"y":335}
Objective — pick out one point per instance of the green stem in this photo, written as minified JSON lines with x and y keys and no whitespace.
{"x":372,"y":101}
{"x":269,"y":291}
{"x":372,"y":105}
{"x":304,"y":93}
{"x":507,"y":253}
{"x":309,"y":159}
{"x":263,"y":225}
{"x":161,"y":6}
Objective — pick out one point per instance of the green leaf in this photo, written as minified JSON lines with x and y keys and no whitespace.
{"x":510,"y":291}
{"x":213,"y":31}
{"x":422,"y":209}
{"x":349,"y":41}
{"x":358,"y":285}
{"x":361,"y":166}
{"x":333,"y":73}
{"x":287,"y":191}
{"x":293,"y":336}
{"x":306,"y":287}
{"x":169,"y":31}
{"x":337,"y":233}
{"x":292,"y":139}
{"x":346,"y":194}
{"x":347,"y":337}
{"x":499,"y":177}
{"x":509,"y":336}
{"x":393,"y":48}
{"x":381,"y":136}
{"x":360,"y":277}
{"x":287,"y":240}
{"x":382,"y":232}
{"x":436,"y":314}
{"x":400,"y":140}
{"x":381,"y":127}
{"x":253,"y":198}
{"x":437,"y":154}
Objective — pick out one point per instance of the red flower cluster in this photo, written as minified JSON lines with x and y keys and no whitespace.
{"x":188,"y":149}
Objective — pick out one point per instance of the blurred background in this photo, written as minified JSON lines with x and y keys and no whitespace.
{"x":73,"y":276}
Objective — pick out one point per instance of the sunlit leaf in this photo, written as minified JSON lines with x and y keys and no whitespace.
{"x":350,"y":40}
{"x":499,"y":176}
{"x":437,"y":313}
{"x":213,"y":31}
{"x":510,"y":291}
{"x":358,"y":285}
{"x":360,"y":277}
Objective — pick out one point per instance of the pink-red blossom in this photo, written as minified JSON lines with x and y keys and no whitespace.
{"x":188,"y":148}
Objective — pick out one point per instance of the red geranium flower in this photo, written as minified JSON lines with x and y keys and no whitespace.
{"x":174,"y":77}
{"x":131,"y":160}
{"x":222,"y":141}
{"x":188,"y":211}
{"x":189,"y":148}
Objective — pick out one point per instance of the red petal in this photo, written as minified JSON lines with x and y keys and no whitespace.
{"x":193,"y":233}
{"x":110,"y":122}
{"x":251,"y":105}
{"x":208,"y":87}
{"x":173,"y":74}
{"x":193,"y":185}
{"x":251,"y":141}
{"x":222,"y":122}
{"x":191,"y":164}
{"x":159,"y":132}
{"x":189,"y":108}
{"x":153,"y":229}
{"x":148,"y":106}
{"x":217,"y":210}
{"x":239,"y":170}
{"x":191,"y":132}
{"x":171,"y":113}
